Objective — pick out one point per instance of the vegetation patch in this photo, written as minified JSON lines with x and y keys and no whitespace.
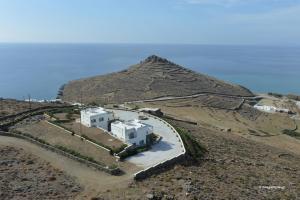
{"x":193,"y":148}
{"x":68,"y":110}
{"x":131,"y":152}
{"x":59,"y":123}
{"x":292,"y":133}
{"x":275,"y":94}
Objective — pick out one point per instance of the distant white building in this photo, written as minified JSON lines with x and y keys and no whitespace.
{"x":271,"y":109}
{"x":132,"y":132}
{"x":96,"y":117}
{"x":265,"y":108}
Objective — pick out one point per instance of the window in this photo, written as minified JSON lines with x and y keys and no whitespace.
{"x":93,"y":120}
{"x":101,"y":119}
{"x":131,"y":135}
{"x":142,"y":142}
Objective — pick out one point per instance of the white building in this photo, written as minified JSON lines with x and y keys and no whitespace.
{"x":132,"y":132}
{"x":96,"y":117}
{"x":271,"y":109}
{"x":265,"y":108}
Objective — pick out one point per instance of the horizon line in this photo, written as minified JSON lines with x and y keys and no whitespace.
{"x":140,"y":43}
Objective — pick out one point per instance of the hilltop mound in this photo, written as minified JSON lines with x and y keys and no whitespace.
{"x":154,"y":77}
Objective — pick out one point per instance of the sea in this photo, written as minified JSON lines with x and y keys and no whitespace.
{"x":39,"y":70}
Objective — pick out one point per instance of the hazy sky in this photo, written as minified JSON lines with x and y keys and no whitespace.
{"x":151,"y":21}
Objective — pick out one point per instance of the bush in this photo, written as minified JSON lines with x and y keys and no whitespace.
{"x":275,"y":94}
{"x":69,"y":116}
{"x":113,"y":166}
{"x":119,"y":149}
{"x":93,"y":104}
{"x":193,"y":148}
{"x":134,"y":151}
{"x":291,"y":133}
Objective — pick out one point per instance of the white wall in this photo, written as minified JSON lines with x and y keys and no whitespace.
{"x":118,"y":131}
{"x":122,"y":133}
{"x":140,"y":134}
{"x":86,"y":119}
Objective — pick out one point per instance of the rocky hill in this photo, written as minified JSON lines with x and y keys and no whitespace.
{"x":154,"y":77}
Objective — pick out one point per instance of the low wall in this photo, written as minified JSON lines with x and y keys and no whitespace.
{"x":159,"y":167}
{"x":23,"y":115}
{"x":33,"y":110}
{"x":56,"y":150}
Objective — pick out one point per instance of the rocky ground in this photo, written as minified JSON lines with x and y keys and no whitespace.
{"x":234,"y":168}
{"x":154,"y":77}
{"x":25,"y":176}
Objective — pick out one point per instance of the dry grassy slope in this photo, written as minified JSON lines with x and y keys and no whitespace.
{"x":234,"y":168}
{"x":153,"y":77}
{"x":12,"y":106}
{"x":246,"y":122}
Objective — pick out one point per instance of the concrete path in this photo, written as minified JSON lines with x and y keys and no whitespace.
{"x":169,"y":147}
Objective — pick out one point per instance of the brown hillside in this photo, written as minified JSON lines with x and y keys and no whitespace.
{"x":154,"y":77}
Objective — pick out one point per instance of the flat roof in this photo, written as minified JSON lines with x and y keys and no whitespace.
{"x":130,"y":124}
{"x":95,"y":111}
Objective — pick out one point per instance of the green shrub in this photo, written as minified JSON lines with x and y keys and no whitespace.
{"x":275,"y":94}
{"x":69,"y":116}
{"x":113,"y":166}
{"x":134,"y":151}
{"x":291,"y":133}
{"x":193,"y":148}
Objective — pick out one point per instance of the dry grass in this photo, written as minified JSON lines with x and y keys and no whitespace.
{"x":264,"y":128}
{"x":57,"y":136}
{"x":150,"y":79}
{"x":234,"y":168}
{"x":95,"y":134}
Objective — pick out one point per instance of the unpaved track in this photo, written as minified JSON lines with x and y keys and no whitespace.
{"x":93,"y":181}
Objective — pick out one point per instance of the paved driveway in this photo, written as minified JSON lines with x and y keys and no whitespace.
{"x":168,"y":147}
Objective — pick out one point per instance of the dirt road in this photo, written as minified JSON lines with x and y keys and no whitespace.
{"x":93,"y":181}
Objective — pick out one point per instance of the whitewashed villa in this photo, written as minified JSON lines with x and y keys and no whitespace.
{"x":96,"y":117}
{"x":132,"y":132}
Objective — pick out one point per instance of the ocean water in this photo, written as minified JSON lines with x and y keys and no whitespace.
{"x":40,"y":69}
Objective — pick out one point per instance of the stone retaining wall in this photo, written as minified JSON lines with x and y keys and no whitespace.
{"x":56,"y":150}
{"x":159,"y":167}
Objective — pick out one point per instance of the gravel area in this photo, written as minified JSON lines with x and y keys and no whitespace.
{"x":25,"y":176}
